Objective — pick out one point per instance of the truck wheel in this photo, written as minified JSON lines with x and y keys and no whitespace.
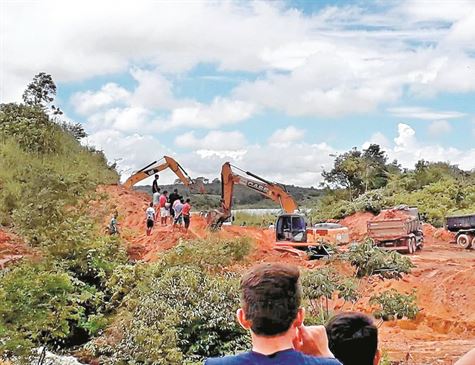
{"x":463,"y":240}
{"x":414,"y":244}
{"x":473,"y":242}
{"x":410,"y":250}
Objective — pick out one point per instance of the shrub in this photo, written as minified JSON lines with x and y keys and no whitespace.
{"x":322,"y":284}
{"x":393,"y":304}
{"x":38,"y":305}
{"x":208,"y":253}
{"x":176,"y":314}
{"x":368,"y":259}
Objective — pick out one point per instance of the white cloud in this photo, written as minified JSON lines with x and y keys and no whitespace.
{"x":408,"y":149}
{"x":131,"y":152}
{"x":87,"y":102}
{"x":214,"y":140}
{"x":221,"y":111}
{"x":286,"y":135}
{"x":424,"y":113}
{"x":440,"y":127}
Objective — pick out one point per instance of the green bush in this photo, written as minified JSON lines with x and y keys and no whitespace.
{"x":368,"y":259}
{"x":393,"y":304}
{"x":253,"y":220}
{"x":322,"y":284}
{"x":176,"y":314}
{"x":38,"y":305}
{"x":208,"y":253}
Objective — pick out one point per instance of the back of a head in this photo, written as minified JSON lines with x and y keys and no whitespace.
{"x":353,"y":338}
{"x":271,"y":296}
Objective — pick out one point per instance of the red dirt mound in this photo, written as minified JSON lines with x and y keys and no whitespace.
{"x":391,"y":214}
{"x":357,"y":224}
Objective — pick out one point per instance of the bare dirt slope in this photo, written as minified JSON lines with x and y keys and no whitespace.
{"x":443,"y":278}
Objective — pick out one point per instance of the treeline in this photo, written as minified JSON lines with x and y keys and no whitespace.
{"x":366,"y":180}
{"x":242,"y":197}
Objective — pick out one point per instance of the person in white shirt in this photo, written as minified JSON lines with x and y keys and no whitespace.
{"x":150,"y":217}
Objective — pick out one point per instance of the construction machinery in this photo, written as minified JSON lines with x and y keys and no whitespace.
{"x":398,"y":229}
{"x":166,"y":162}
{"x":464,"y":228}
{"x":290,"y":226}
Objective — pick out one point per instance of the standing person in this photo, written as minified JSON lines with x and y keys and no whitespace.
{"x":164,"y":212}
{"x":150,"y":217}
{"x":178,"y":208}
{"x":155,"y":187}
{"x":185,"y":212}
{"x":155,"y":192}
{"x":114,"y":225}
{"x":172,"y":198}
{"x":271,"y":311}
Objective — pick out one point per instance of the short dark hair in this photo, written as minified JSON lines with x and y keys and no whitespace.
{"x":151,"y":204}
{"x":188,"y":200}
{"x":156,"y":176}
{"x":165,"y":192}
{"x":175,"y":190}
{"x":353,"y":338}
{"x":271,"y":297}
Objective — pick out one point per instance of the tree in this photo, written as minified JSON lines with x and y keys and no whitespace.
{"x":359,"y":171}
{"x":41,"y":92}
{"x":347,"y":172}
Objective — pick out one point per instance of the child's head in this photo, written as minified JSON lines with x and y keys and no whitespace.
{"x":151,"y":204}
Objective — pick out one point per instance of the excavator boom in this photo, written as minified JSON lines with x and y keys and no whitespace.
{"x":271,"y":190}
{"x":154,"y":168}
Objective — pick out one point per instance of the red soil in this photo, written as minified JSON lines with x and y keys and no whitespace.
{"x":391,"y":214}
{"x":443,"y":278}
{"x":12,"y":249}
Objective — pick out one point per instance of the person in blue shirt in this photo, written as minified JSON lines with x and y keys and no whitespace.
{"x":271,"y":312}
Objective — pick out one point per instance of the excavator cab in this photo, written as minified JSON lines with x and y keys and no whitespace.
{"x":291,"y":227}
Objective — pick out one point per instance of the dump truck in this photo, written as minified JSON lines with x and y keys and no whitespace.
{"x":464,"y":228}
{"x":398,"y":229}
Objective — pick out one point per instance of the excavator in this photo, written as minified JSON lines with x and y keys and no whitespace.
{"x":290,"y":226}
{"x":157,"y":166}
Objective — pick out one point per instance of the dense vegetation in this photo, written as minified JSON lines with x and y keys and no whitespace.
{"x":365,"y":180}
{"x":58,"y":298}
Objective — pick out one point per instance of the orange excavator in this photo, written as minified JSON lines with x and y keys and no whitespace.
{"x":290,"y":226}
{"x":157,"y":166}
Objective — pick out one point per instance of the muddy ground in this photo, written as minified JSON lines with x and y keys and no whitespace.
{"x":443,"y":276}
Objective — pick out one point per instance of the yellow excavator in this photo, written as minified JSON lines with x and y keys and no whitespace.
{"x":290,"y":226}
{"x":166,"y":162}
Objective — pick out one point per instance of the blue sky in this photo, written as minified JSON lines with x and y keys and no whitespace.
{"x":274,"y":87}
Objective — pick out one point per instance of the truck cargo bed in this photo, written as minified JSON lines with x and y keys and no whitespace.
{"x":392,"y":229}
{"x":456,"y":223}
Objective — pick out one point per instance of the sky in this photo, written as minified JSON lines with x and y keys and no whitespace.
{"x":277,"y":88}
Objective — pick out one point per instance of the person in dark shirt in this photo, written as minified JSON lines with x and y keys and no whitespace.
{"x":155,"y":187}
{"x":171,"y":199}
{"x":353,"y":339}
{"x":270,"y":311}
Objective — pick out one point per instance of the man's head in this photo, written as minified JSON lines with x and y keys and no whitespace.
{"x":175,"y":191}
{"x":165,"y":192}
{"x":156,"y":176}
{"x":270,"y":299}
{"x":353,"y":339}
{"x":188,"y":201}
{"x":151,"y":204}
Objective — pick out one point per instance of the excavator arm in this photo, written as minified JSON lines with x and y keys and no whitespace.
{"x":271,"y":190}
{"x":155,"y":167}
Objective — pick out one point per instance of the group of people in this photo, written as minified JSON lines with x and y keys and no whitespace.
{"x":271,"y":311}
{"x":172,"y":209}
